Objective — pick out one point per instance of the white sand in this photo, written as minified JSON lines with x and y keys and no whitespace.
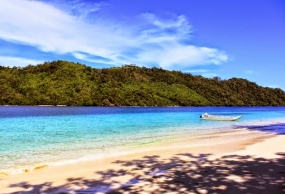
{"x":140,"y":163}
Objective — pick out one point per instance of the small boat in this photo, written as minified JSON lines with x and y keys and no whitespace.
{"x":207,"y":116}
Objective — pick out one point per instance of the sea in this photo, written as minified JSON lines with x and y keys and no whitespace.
{"x":37,"y":136}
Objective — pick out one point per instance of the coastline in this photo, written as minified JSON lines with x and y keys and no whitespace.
{"x":105,"y":174}
{"x":195,"y":140}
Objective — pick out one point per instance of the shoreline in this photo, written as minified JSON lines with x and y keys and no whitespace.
{"x":217,"y":145}
{"x":162,"y":144}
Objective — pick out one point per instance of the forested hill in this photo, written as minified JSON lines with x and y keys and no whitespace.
{"x":67,"y":83}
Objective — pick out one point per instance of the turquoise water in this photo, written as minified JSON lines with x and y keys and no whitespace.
{"x":35,"y":136}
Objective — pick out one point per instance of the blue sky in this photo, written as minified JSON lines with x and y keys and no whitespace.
{"x":244,"y":38}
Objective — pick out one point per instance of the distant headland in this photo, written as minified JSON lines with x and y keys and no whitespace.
{"x":73,"y":84}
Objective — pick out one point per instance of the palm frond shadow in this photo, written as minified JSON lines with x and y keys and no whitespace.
{"x":276,"y":128}
{"x":183,"y":173}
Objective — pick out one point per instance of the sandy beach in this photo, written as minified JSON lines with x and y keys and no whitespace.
{"x":241,"y":161}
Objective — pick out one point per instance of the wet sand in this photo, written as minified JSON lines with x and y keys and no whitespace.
{"x":236,"y":162}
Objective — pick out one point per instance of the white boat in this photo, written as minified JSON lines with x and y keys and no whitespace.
{"x":207,"y":116}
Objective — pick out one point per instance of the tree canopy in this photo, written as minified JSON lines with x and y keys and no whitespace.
{"x":73,"y":84}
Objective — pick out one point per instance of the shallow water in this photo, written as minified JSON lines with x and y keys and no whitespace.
{"x":36,"y":136}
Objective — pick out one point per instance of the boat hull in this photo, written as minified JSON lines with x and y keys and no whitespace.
{"x":219,"y":117}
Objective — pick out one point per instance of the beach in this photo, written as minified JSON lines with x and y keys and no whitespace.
{"x":240,"y":161}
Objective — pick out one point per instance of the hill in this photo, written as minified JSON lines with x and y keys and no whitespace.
{"x":67,"y":83}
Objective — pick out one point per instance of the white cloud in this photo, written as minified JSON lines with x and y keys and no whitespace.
{"x":273,"y":86}
{"x":153,"y":41}
{"x":89,"y":58}
{"x":209,"y":75}
{"x":17,"y":61}
{"x":84,"y":8}
{"x":177,"y":25}
{"x":198,"y":71}
{"x":177,"y":56}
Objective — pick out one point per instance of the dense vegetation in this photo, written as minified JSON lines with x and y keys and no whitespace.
{"x":67,"y":83}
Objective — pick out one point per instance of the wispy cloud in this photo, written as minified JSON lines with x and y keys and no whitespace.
{"x":150,"y":41}
{"x":83,"y":8}
{"x":198,"y":71}
{"x":209,"y":75}
{"x":203,"y":72}
{"x":18,"y":61}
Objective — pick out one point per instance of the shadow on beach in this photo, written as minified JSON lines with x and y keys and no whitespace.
{"x":276,"y":128}
{"x":183,"y":173}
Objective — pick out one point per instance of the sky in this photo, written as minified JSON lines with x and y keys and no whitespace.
{"x":243,"y":39}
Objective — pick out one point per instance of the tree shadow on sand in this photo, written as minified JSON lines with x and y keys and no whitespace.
{"x":183,"y":173}
{"x":275,"y":128}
